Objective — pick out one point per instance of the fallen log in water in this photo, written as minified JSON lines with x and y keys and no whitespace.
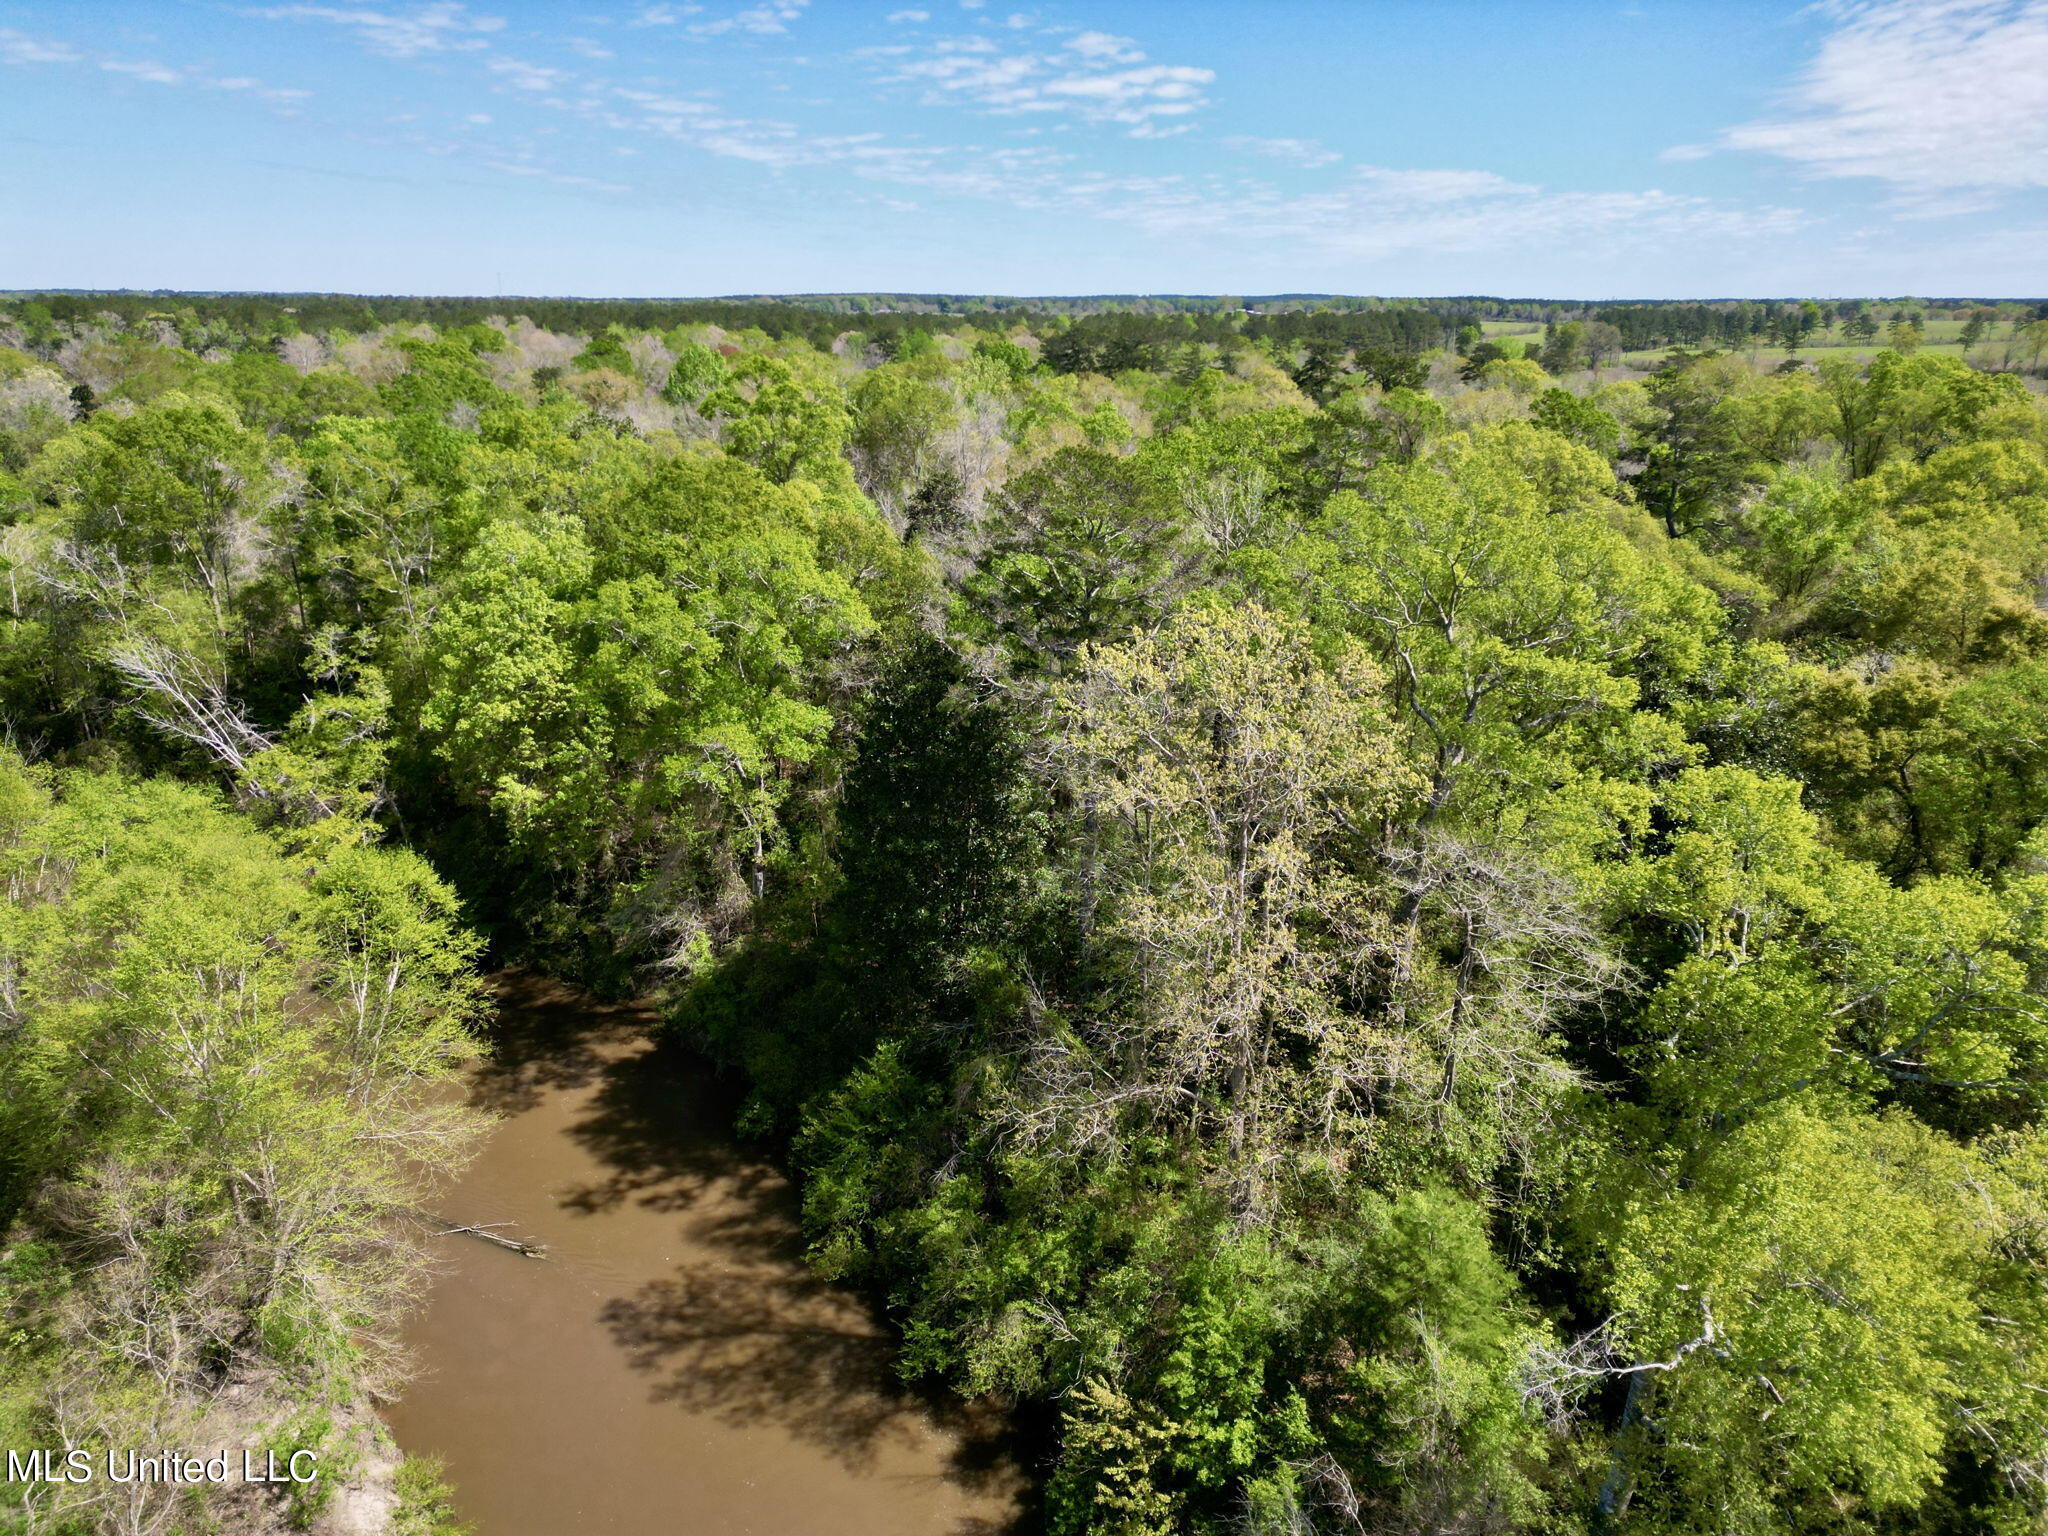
{"x":517,"y":1245}
{"x":483,"y":1229}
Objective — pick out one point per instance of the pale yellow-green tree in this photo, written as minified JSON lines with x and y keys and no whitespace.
{"x":1224,"y":760}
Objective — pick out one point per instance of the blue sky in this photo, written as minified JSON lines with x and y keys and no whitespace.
{"x":620,"y":147}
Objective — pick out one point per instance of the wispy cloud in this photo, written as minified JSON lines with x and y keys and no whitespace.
{"x":558,"y":178}
{"x":770,"y":18}
{"x":1310,"y":154}
{"x":436,"y":27}
{"x":767,"y":20}
{"x":1095,"y":76}
{"x":20,"y":50}
{"x":899,"y":18}
{"x":1366,"y":212}
{"x":144,"y":69}
{"x":1377,"y":211}
{"x":1946,"y":100}
{"x":1106,"y":48}
{"x":527,"y":77}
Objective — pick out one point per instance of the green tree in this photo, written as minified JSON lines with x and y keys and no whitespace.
{"x":895,"y":443}
{"x":1578,"y":420}
{"x":178,"y":487}
{"x":227,"y":1073}
{"x":1083,"y":547}
{"x":1695,"y":463}
{"x":696,"y":372}
{"x":782,"y":426}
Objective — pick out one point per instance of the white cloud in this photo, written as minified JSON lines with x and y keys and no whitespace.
{"x":1947,"y":100}
{"x":1310,"y":154}
{"x":1081,"y":77}
{"x":144,"y":69}
{"x":1106,"y":47}
{"x":589,"y":48}
{"x":523,"y":76}
{"x":1368,"y":213}
{"x":542,"y":173}
{"x":1376,"y":211}
{"x":18,"y":48}
{"x":438,"y":26}
{"x":900,"y":17}
{"x":1151,"y":90}
{"x":764,"y":20}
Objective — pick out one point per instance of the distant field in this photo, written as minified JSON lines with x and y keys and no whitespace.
{"x":1771,"y":355}
{"x":1506,"y":332}
{"x":1943,"y":338}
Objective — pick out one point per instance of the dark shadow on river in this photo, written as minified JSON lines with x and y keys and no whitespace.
{"x":672,"y":1366}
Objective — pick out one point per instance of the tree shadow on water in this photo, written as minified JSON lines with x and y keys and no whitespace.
{"x":545,"y":1034}
{"x":660,"y":1122}
{"x":757,"y":1348}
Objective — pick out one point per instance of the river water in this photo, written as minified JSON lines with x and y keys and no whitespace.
{"x":670,"y":1367}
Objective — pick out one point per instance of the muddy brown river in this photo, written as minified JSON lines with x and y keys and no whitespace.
{"x":670,"y":1367}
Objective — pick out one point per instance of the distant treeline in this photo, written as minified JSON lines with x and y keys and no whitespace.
{"x":1138,"y":329}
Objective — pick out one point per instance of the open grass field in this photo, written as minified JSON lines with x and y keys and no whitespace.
{"x":1767,"y":356}
{"x":1942,"y":338}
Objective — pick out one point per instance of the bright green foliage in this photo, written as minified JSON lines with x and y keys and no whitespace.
{"x":781,"y":425}
{"x":607,"y":349}
{"x":898,"y":420}
{"x":1795,"y":967}
{"x":1947,"y":568}
{"x":370,"y":532}
{"x":1914,"y":406}
{"x":174,"y":488}
{"x":651,"y":681}
{"x":425,"y":1505}
{"x":1517,"y":626}
{"x":1238,"y":478}
{"x":695,"y":373}
{"x":1759,"y":1212}
{"x":269,"y":395}
{"x":1006,"y":354}
{"x":224,"y":1068}
{"x":440,"y":375}
{"x":1520,"y":375}
{"x":1579,"y":420}
{"x":1867,"y":1242}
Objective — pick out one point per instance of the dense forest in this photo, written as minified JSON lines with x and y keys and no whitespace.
{"x":1394,"y":930}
